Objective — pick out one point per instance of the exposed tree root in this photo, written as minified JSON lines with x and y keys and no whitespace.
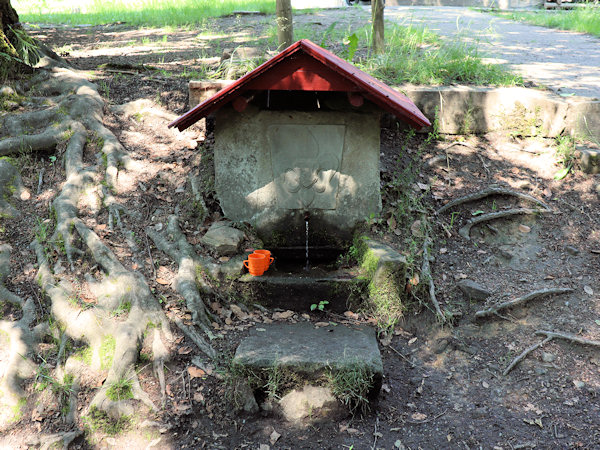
{"x":10,"y":186}
{"x":16,"y":338}
{"x":189,"y":264}
{"x":426,"y":274}
{"x":520,"y":300}
{"x":79,"y":109}
{"x":465,"y":230}
{"x":549,"y":336}
{"x":492,"y":190}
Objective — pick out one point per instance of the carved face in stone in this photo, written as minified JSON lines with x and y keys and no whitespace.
{"x":305,"y":163}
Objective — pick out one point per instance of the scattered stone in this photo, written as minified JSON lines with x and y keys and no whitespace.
{"x":473,"y":290}
{"x":524,"y":228}
{"x":440,"y":346}
{"x":311,"y":403}
{"x":243,"y":396}
{"x":540,"y":371}
{"x":7,"y":91}
{"x":572,"y":250}
{"x":548,"y":357}
{"x":589,"y":159}
{"x":579,"y":384}
{"x":158,"y":227}
{"x":223,"y":239}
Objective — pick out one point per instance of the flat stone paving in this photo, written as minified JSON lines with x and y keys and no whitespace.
{"x":565,"y":61}
{"x":304,"y":348}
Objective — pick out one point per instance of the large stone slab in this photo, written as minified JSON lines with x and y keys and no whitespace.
{"x":271,"y":167}
{"x":305,"y":349}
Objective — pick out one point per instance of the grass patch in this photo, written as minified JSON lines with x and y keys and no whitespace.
{"x":351,"y":386}
{"x":121,"y":390}
{"x":584,"y":19}
{"x":157,"y":13}
{"x":97,"y":420}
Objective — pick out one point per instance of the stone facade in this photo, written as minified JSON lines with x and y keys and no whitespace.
{"x":273,"y":167}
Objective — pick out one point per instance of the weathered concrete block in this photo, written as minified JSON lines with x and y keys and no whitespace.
{"x":223,"y":239}
{"x":273,"y":166}
{"x":203,"y":90}
{"x":584,"y":117}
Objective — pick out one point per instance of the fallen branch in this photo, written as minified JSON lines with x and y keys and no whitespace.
{"x":520,"y":300}
{"x":522,"y":356}
{"x":492,"y":190}
{"x":568,"y":337}
{"x":466,"y":229}
{"x":549,"y":336}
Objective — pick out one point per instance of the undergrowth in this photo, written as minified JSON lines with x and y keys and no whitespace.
{"x":585,"y":19}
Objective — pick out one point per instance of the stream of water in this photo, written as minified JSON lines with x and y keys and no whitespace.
{"x":307,"y":263}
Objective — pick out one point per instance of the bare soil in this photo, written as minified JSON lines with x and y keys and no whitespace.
{"x":443,"y":386}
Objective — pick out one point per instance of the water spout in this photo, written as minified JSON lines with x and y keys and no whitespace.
{"x":306,"y":218}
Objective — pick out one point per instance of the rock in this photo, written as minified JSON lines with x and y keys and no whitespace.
{"x":572,"y":250}
{"x":7,"y":91}
{"x":223,"y":239}
{"x":158,"y":227}
{"x":579,"y":384}
{"x":440,"y":346}
{"x":589,"y":159}
{"x":548,"y":357}
{"x":311,"y":403}
{"x":473,"y":290}
{"x":243,"y":397}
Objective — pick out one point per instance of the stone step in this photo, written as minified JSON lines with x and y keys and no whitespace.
{"x":303,"y":356}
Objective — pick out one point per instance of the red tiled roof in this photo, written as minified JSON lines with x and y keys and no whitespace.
{"x":306,"y":66}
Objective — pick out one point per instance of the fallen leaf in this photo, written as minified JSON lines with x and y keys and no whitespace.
{"x":524,"y":228}
{"x":547,"y":192}
{"x":321,"y":324}
{"x":162,"y":281}
{"x":412,"y":341}
{"x":588,"y":290}
{"x":485,"y":385}
{"x":422,"y":186}
{"x":283,"y":315}
{"x":386,"y":340}
{"x":198,"y":397}
{"x":414,"y":280}
{"x":224,"y":258}
{"x":386,"y":388}
{"x":238,"y":312}
{"x":391,"y":223}
{"x":351,"y":315}
{"x":274,"y":437}
{"x":415,"y":229}
{"x":443,"y":250}
{"x":184,"y":350}
{"x":196,"y":372}
{"x":419,"y":416}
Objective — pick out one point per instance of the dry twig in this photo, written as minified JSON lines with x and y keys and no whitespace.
{"x":522,"y":356}
{"x":426,"y":274}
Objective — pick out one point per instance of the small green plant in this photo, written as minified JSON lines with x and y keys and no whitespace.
{"x":123,"y":308}
{"x":120,"y":390}
{"x":565,"y":155}
{"x":98,"y":420}
{"x":351,"y":386}
{"x":320,"y":306}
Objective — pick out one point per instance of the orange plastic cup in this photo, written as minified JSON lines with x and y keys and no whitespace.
{"x":269,"y":259}
{"x":256,"y":264}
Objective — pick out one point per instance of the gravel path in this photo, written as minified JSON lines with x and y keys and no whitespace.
{"x":564,"y":61}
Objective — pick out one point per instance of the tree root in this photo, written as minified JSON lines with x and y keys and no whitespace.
{"x":492,"y":190}
{"x":426,"y":275}
{"x":120,"y":291}
{"x":20,"y":338}
{"x":550,"y":335}
{"x":189,"y":263}
{"x":521,"y":300}
{"x":57,"y":440}
{"x":466,"y":229}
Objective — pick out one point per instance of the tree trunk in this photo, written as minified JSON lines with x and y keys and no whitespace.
{"x":378,"y":34}
{"x":8,"y":18}
{"x":285,"y":28}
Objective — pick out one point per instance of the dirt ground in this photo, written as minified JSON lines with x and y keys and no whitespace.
{"x":443,"y":386}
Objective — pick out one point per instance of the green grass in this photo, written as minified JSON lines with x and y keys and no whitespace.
{"x":583,"y":19}
{"x":142,"y":12}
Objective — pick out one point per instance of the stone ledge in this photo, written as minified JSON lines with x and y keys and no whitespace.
{"x":480,"y":109}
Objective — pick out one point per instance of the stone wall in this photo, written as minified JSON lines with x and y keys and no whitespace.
{"x":272,"y":167}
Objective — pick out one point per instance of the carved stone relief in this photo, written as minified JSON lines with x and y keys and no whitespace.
{"x":306,"y":161}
